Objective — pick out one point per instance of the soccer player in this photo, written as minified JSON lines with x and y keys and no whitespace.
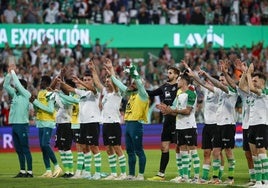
{"x":226,"y":127}
{"x":110,"y":102}
{"x":45,"y":122}
{"x":243,"y":92}
{"x":208,"y":132}
{"x":19,"y":120}
{"x":73,"y":99}
{"x":258,"y":125}
{"x":89,"y":114}
{"x":183,"y":108}
{"x":135,"y":113}
{"x":167,"y":93}
{"x":64,"y":132}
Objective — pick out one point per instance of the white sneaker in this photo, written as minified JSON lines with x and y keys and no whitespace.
{"x":47,"y":174}
{"x":140,"y":177}
{"x":176,"y":179}
{"x":57,"y":172}
{"x":130,"y":177}
{"x":194,"y":180}
{"x":111,"y":177}
{"x":86,"y":175}
{"x":77,"y":175}
{"x":257,"y":185}
{"x":96,"y":176}
{"x":121,"y":177}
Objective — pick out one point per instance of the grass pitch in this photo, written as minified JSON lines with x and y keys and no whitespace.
{"x":9,"y":167}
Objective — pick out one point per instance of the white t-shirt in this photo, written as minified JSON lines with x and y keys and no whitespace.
{"x":182,"y":101}
{"x":107,"y":16}
{"x":173,"y":16}
{"x":258,"y":109}
{"x":64,"y":112}
{"x":226,"y":106}
{"x":51,"y":15}
{"x":110,"y":107}
{"x":245,"y":97}
{"x":210,"y":106}
{"x":89,"y":110}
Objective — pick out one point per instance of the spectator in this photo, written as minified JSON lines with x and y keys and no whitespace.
{"x":30,"y":15}
{"x":108,"y":15}
{"x":173,"y":14}
{"x":255,"y":19}
{"x":96,"y":15}
{"x":209,"y":16}
{"x":10,"y":15}
{"x":143,"y":15}
{"x":197,"y":17}
{"x":123,"y":15}
{"x":51,"y":14}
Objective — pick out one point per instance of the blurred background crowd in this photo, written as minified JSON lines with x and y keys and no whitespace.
{"x":45,"y":59}
{"x":217,"y":12}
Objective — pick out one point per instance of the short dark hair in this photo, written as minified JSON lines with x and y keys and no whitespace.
{"x":176,"y":70}
{"x":46,"y":79}
{"x":23,"y":83}
{"x":70,"y":82}
{"x":88,"y":73}
{"x":260,"y":75}
{"x":187,"y":78}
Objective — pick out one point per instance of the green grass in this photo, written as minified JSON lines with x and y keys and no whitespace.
{"x":9,"y":167}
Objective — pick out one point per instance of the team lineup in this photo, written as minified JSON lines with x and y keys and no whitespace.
{"x":77,"y":106}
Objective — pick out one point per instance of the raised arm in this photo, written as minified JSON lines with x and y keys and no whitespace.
{"x":78,"y":81}
{"x":251,"y":86}
{"x":95,"y":76}
{"x":224,"y":68}
{"x":243,"y":83}
{"x":110,"y":71}
{"x":18,"y":85}
{"x":197,"y":79}
{"x":65,"y":87}
{"x":216,"y":83}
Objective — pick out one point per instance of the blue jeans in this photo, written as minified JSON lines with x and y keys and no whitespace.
{"x":134,"y":146}
{"x":44,"y":140}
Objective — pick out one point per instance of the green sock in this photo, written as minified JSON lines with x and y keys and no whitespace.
{"x":257,"y":168}
{"x":80,"y":160}
{"x":196,"y":162}
{"x":69,"y":157}
{"x":216,"y":167}
{"x":185,"y":163}
{"x":264,"y":162}
{"x":231,"y":167}
{"x":112,"y":163}
{"x":179,"y":164}
{"x":122,"y":163}
{"x":97,"y":160}
{"x":87,"y":162}
{"x":64,"y":160}
{"x":205,"y":174}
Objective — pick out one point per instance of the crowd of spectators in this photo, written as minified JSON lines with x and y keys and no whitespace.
{"x":217,"y":12}
{"x":46,"y":59}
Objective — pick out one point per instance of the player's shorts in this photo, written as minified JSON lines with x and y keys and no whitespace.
{"x":224,"y":136}
{"x":89,"y":133}
{"x":186,"y":137}
{"x":246,"y":140}
{"x":112,"y":134}
{"x":76,"y":135}
{"x":258,"y":135}
{"x":208,"y":133}
{"x":64,"y":136}
{"x":169,"y":129}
